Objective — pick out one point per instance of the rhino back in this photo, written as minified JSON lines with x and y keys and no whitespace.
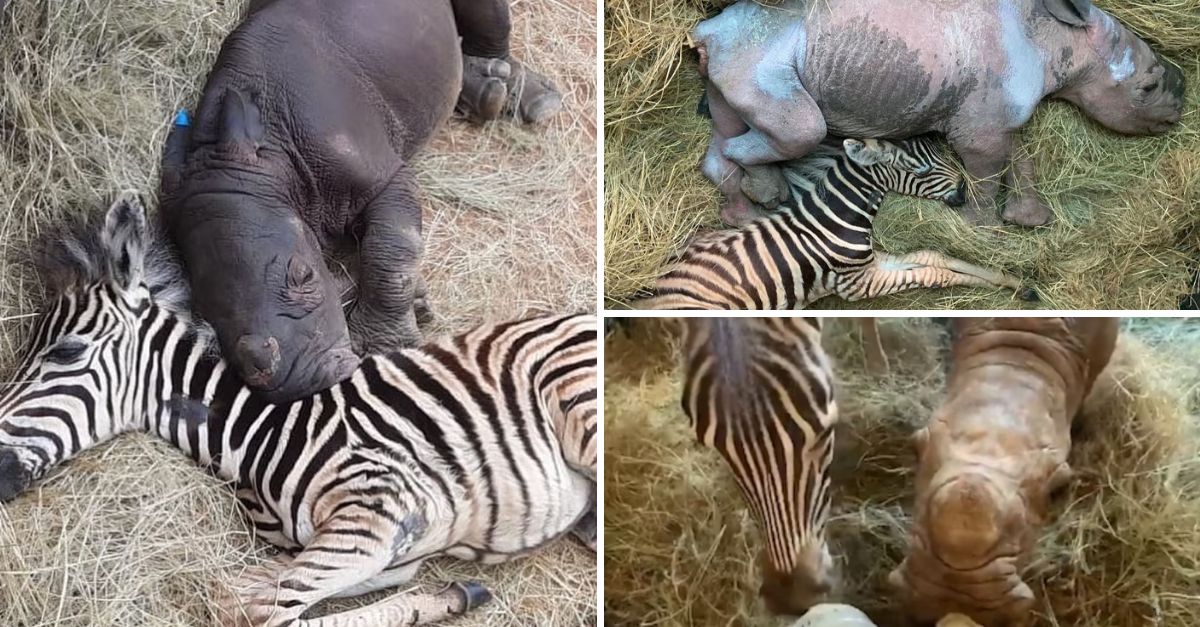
{"x":348,"y":93}
{"x":894,"y":68}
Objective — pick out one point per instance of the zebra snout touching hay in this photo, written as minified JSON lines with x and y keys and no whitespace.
{"x":760,"y":392}
{"x":480,"y":447}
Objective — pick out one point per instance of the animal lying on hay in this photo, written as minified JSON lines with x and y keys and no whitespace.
{"x":300,"y":145}
{"x":480,"y":446}
{"x":992,"y":455}
{"x":760,"y":392}
{"x":819,"y":242}
{"x":783,"y":75}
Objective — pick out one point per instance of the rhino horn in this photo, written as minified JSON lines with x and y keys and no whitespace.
{"x":1070,"y":12}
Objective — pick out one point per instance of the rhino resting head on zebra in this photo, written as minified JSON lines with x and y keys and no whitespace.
{"x":480,"y":446}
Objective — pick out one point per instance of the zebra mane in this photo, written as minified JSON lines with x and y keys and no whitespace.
{"x":806,"y":173}
{"x":73,"y":256}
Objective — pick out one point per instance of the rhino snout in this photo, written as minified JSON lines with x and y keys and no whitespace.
{"x":257,"y":358}
{"x":14,"y":476}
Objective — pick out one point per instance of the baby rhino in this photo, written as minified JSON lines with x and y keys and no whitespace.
{"x":991,"y":456}
{"x":302,"y":142}
{"x":782,"y":75}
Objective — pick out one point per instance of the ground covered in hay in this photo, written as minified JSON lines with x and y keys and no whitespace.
{"x":1124,"y":550}
{"x":1126,"y":232}
{"x":133,"y":534}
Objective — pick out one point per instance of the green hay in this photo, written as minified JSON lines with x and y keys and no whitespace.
{"x":1123,"y":551}
{"x":1126,"y":231}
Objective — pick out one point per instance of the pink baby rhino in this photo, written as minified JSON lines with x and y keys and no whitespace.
{"x":780,"y":77}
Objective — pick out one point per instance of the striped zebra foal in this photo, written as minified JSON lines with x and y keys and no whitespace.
{"x":760,"y":392}
{"x":480,"y":446}
{"x":820,"y":243}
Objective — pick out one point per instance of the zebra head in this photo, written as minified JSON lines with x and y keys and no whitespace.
{"x":760,"y":391}
{"x":919,"y":166}
{"x":77,"y":379}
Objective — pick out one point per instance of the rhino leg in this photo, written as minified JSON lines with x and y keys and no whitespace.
{"x":726,"y":174}
{"x":986,"y":157}
{"x":385,"y":316}
{"x":486,"y":27}
{"x":1023,"y":205}
{"x":783,"y":119}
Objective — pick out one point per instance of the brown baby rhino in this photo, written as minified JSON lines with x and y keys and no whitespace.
{"x":989,"y":459}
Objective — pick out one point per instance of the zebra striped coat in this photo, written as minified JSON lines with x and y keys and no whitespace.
{"x":821,"y":243}
{"x":760,"y":392}
{"x":480,"y":446}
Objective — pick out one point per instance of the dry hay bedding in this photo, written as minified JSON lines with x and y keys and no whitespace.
{"x":1126,"y":230}
{"x":132,"y":533}
{"x":1124,"y":551}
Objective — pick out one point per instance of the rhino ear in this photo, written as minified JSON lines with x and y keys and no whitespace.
{"x":242,"y":130}
{"x":124,"y":241}
{"x":1070,"y":12}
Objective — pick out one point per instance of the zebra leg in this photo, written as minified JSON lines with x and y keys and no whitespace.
{"x":889,"y":274}
{"x":349,"y":552}
{"x":385,"y":316}
{"x":585,"y":530}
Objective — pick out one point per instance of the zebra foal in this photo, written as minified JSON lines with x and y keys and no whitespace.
{"x":819,"y":243}
{"x":480,"y":446}
{"x":760,"y":392}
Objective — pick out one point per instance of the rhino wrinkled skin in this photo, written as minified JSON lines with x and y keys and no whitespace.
{"x":780,"y":76}
{"x":301,"y":143}
{"x":989,"y":460}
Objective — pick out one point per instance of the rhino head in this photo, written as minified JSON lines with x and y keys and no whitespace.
{"x":1120,"y":81}
{"x":974,"y":530}
{"x":257,"y":271}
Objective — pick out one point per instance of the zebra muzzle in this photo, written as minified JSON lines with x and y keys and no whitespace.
{"x":14,"y":476}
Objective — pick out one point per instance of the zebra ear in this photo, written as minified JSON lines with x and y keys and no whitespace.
{"x":865,"y":151}
{"x":124,"y":241}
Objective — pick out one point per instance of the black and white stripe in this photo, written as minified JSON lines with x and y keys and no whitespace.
{"x":820,"y":244}
{"x":760,"y":392}
{"x":481,"y":446}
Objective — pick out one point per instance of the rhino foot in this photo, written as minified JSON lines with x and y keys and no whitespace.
{"x":484,"y":88}
{"x":765,"y":185}
{"x":1026,"y":210}
{"x":533,"y":98}
{"x":981,"y":213}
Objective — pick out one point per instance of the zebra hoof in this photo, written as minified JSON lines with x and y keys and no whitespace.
{"x":1028,"y":294}
{"x":473,"y":593}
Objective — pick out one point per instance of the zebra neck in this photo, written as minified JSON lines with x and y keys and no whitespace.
{"x":197,"y":402}
{"x":848,"y":191}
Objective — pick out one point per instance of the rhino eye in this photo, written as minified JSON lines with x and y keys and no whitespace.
{"x":1149,"y":88}
{"x":66,"y":352}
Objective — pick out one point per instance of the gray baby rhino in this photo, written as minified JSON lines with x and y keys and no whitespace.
{"x":303,"y":142}
{"x":782,"y":76}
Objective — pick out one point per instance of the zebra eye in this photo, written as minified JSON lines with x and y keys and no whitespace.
{"x":66,"y":352}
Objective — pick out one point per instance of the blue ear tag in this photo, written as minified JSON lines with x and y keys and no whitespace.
{"x":182,"y":119}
